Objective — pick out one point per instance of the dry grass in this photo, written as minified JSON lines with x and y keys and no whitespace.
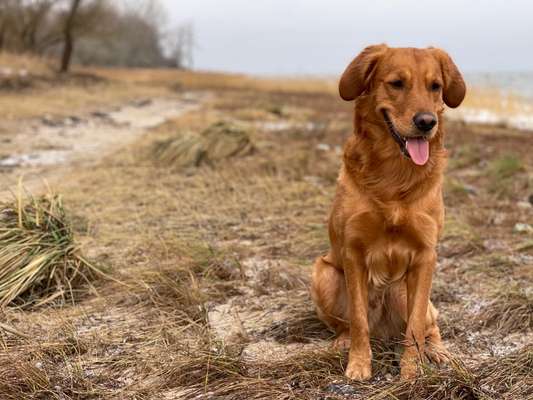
{"x":26,"y":92}
{"x":69,"y":99}
{"x":510,"y":310}
{"x":502,"y":171}
{"x":40,"y":261}
{"x":87,"y":88}
{"x":29,"y":64}
{"x":216,"y":81}
{"x":319,"y":374}
{"x":219,"y":141}
{"x":240,"y":236}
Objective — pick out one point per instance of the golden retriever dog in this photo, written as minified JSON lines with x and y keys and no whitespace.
{"x":388,"y":210}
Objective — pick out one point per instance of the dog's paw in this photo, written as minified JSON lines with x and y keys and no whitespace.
{"x":342,"y":342}
{"x":437,"y":354}
{"x":359,"y":370}
{"x":409,"y":371}
{"x":409,"y":364}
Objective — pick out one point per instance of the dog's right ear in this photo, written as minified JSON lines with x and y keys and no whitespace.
{"x":358,"y":74}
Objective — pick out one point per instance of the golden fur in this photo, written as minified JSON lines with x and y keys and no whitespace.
{"x":388,"y":212}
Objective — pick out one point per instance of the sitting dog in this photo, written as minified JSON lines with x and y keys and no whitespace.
{"x":388,"y":210}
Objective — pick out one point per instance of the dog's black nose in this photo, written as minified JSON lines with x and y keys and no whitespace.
{"x":425,"y":121}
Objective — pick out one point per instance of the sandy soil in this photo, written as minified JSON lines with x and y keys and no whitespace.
{"x":43,"y":149}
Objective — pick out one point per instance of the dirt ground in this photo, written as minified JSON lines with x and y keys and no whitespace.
{"x":210,"y":265}
{"x":44,"y":148}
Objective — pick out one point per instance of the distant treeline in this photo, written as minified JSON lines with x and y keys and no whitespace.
{"x":97,"y":32}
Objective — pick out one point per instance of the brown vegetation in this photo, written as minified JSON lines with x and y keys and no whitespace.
{"x":211,"y":264}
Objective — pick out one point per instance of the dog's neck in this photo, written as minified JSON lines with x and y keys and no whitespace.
{"x":374,"y":162}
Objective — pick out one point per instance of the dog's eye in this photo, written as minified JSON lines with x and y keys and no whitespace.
{"x":435,"y":86}
{"x":398,"y":84}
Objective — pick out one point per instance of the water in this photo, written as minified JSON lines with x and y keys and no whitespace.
{"x":503,"y":98}
{"x":515,"y":83}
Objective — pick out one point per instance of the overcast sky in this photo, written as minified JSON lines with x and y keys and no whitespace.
{"x":319,"y":37}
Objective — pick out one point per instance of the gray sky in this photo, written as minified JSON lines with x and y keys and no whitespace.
{"x":320,"y":37}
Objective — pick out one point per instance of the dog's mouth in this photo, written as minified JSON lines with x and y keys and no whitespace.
{"x":415,"y":148}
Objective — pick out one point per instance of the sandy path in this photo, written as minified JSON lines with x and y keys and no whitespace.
{"x":44,"y":149}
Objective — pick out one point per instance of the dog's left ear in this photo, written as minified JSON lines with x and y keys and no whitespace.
{"x":454,"y":89}
{"x":358,"y":73}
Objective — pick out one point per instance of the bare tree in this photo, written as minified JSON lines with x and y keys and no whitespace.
{"x":132,"y":38}
{"x":68,"y":35}
{"x":32,"y":19}
{"x":106,"y":32}
{"x":26,"y":24}
{"x":180,"y":46}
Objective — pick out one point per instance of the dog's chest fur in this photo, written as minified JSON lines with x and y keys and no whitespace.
{"x":387,"y":261}
{"x":397,"y":234}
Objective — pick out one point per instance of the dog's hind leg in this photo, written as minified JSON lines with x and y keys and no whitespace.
{"x":328,"y":290}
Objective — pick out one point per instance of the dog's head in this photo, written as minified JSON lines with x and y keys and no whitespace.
{"x":404,"y":89}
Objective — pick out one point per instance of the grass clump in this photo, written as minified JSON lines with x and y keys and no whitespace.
{"x":502,"y":173}
{"x":219,"y":141}
{"x":464,"y":156}
{"x":462,"y":234}
{"x":204,"y":274}
{"x":39,"y":259}
{"x":505,"y":166}
{"x":511,"y":310}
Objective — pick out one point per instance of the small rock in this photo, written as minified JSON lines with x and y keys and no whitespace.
{"x":470,"y":189}
{"x":73,"y":120}
{"x":39,"y":365}
{"x":100,"y":114}
{"x":50,"y":121}
{"x":524,"y":205}
{"x":523,"y":228}
{"x":498,"y":218}
{"x":142,"y":103}
{"x":323,"y":147}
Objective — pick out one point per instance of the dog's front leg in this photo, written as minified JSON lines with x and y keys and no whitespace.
{"x":359,"y":358}
{"x":419,"y":278}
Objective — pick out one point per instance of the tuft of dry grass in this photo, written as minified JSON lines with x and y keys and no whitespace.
{"x":502,"y":173}
{"x":505,"y":167}
{"x":510,"y":310}
{"x":204,"y":274}
{"x":219,"y":141}
{"x":39,"y":259}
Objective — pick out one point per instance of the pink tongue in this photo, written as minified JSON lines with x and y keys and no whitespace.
{"x":418,"y":150}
